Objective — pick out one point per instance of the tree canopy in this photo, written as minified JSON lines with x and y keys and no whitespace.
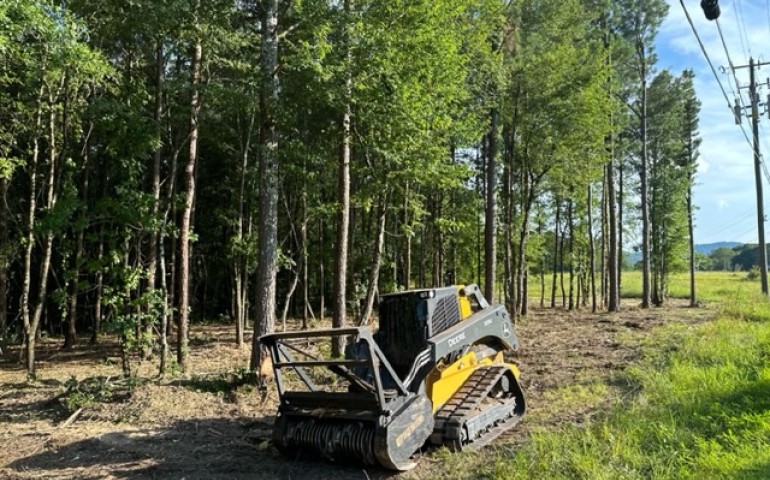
{"x":164,"y":163}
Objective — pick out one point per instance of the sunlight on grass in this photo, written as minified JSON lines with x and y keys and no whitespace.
{"x":697,"y":406}
{"x":564,"y":399}
{"x":701,"y":411}
{"x":709,"y":286}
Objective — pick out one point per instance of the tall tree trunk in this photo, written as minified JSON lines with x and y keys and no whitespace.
{"x":643,"y":175}
{"x":438,"y":239}
{"x":305,"y":259}
{"x":513,"y":293}
{"x":452,"y":280}
{"x":339,"y":306}
{"x":165,"y":314}
{"x":167,"y":270}
{"x":690,"y":231}
{"x":264,"y":320}
{"x":45,"y":264}
{"x":239,"y":262}
{"x":542,"y":271}
{"x":128,"y":308}
{"x":374,"y":274}
{"x":71,"y":335}
{"x":615,"y":228}
{"x":407,"y":263}
{"x":490,"y":217}
{"x":185,"y":226}
{"x":30,"y":327}
{"x":152,"y":247}
{"x":619,"y":244}
{"x":237,"y":301}
{"x":571,"y":227}
{"x":45,"y":267}
{"x":525,"y":292}
{"x":655,"y":257}
{"x":614,"y":224}
{"x":300,"y":265}
{"x":591,"y":250}
{"x":522,"y":267}
{"x":321,"y":271}
{"x":4,"y":247}
{"x":97,"y":325}
{"x":481,"y":188}
{"x":655,"y":264}
{"x":508,"y":262}
{"x":289,"y":295}
{"x":556,"y":243}
{"x":604,"y":245}
{"x":422,"y":275}
{"x":613,"y":261}
{"x":561,"y":262}
{"x":173,"y":271}
{"x":435,"y":240}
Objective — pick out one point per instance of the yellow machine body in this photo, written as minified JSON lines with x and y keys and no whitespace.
{"x":465,"y":303}
{"x":444,"y":381}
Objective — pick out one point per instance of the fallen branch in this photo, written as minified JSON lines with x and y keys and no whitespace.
{"x":71,"y":418}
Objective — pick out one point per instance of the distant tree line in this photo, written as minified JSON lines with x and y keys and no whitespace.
{"x":742,"y":257}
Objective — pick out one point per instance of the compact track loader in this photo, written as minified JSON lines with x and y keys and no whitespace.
{"x":433,"y":374}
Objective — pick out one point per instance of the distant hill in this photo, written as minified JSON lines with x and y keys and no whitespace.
{"x":707,"y":248}
{"x":704,"y":248}
{"x":632,"y":257}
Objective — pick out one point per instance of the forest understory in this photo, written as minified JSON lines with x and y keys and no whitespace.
{"x":79,"y":420}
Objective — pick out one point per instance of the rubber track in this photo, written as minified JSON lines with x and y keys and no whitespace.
{"x":465,"y":405}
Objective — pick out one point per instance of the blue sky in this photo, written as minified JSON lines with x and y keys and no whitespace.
{"x":725,"y":192}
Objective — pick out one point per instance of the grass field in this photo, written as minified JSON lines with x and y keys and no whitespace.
{"x":696,"y":406}
{"x":709,"y":286}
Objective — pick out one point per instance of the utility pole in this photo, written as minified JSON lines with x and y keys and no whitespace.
{"x":757,"y":173}
{"x":752,"y":66}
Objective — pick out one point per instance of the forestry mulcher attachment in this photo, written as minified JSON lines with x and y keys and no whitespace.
{"x":433,"y":374}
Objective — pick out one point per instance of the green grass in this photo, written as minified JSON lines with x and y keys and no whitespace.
{"x":709,"y":286}
{"x":563,"y":399}
{"x":697,"y":406}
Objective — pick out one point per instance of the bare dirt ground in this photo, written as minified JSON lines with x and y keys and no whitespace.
{"x":201,"y":428}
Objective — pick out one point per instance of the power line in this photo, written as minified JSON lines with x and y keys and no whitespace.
{"x":752,"y":229}
{"x":711,"y":65}
{"x":767,"y":4}
{"x":737,"y":93}
{"x":742,"y":32}
{"x":735,"y":78}
{"x":729,"y":225}
{"x":718,"y":237}
{"x":729,"y":60}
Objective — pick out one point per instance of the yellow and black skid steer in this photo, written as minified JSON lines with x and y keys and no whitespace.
{"x":434,"y":373}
